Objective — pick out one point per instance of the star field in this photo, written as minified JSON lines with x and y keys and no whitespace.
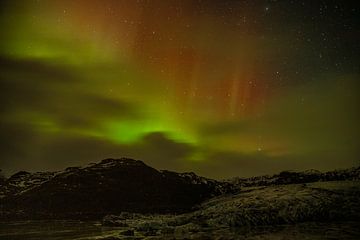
{"x":222,"y":88}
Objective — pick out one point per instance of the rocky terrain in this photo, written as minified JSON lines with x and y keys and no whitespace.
{"x":23,"y":181}
{"x":111,"y":186}
{"x":291,"y":177}
{"x":226,"y":215}
{"x":140,"y":202}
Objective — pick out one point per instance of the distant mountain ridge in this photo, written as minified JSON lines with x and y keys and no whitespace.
{"x":110,"y":186}
{"x":113,"y":186}
{"x":293,"y":177}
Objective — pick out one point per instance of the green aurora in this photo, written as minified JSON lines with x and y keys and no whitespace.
{"x":222,"y":88}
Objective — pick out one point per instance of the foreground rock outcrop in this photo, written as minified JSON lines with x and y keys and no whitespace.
{"x":111,"y":186}
{"x":265,"y":207}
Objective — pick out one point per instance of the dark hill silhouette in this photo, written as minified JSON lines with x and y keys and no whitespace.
{"x":111,"y":186}
{"x":2,"y":178}
{"x":293,"y":177}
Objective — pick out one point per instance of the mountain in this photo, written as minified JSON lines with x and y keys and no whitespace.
{"x":113,"y":186}
{"x":2,"y":180}
{"x":23,"y":181}
{"x":293,"y":177}
{"x":110,"y":186}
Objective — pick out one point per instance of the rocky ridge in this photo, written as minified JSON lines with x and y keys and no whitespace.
{"x":293,"y":177}
{"x":110,"y":186}
{"x":140,"y":202}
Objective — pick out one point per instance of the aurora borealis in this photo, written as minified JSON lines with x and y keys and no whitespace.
{"x":223,"y":88}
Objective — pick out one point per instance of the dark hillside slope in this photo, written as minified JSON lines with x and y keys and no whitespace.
{"x":111,"y":186}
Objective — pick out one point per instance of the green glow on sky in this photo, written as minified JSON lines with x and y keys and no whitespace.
{"x":188,"y":89}
{"x":132,"y":131}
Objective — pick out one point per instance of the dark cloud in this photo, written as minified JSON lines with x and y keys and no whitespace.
{"x":32,"y":151}
{"x":163,"y":152}
{"x":55,"y":93}
{"x":14,"y":140}
{"x":41,"y":108}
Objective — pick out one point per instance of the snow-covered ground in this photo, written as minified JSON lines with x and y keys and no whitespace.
{"x":323,"y":210}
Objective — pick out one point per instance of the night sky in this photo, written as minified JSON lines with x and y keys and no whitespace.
{"x":220,"y":87}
